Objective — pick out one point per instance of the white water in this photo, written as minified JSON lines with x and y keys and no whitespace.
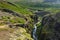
{"x":34,"y":32}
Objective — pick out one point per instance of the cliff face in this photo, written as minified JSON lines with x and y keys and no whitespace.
{"x":12,"y":27}
{"x":50,"y":28}
{"x":15,"y":25}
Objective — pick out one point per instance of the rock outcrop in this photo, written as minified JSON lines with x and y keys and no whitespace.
{"x":50,"y":28}
{"x":41,"y":13}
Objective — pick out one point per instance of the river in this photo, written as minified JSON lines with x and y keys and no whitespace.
{"x":34,"y":32}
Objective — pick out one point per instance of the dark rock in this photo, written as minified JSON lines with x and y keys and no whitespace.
{"x":19,"y":25}
{"x":7,"y":10}
{"x":16,"y":25}
{"x":11,"y":12}
{"x":11,"y":26}
{"x":35,"y":18}
{"x":41,"y":13}
{"x":50,"y":28}
{"x":11,"y":4}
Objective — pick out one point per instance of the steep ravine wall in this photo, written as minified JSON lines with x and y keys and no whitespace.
{"x":49,"y":28}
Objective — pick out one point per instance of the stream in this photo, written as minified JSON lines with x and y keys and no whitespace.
{"x":34,"y":32}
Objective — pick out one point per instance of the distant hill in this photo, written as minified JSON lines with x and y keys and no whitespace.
{"x":50,"y":0}
{"x":13,"y":0}
{"x":37,"y":1}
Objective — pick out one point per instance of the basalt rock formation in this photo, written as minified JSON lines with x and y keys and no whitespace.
{"x":50,"y":28}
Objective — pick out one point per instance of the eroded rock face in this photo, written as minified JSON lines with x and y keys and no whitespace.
{"x":41,"y":13}
{"x":50,"y":28}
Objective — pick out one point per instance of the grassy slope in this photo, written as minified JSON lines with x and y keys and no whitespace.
{"x":41,"y":6}
{"x":16,"y":8}
{"x":22,"y":11}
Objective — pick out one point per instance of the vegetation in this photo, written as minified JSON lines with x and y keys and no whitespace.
{"x":54,"y":8}
{"x":11,"y":22}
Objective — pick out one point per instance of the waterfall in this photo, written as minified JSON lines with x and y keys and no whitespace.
{"x":34,"y":32}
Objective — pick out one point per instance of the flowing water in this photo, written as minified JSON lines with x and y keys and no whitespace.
{"x":34,"y":32}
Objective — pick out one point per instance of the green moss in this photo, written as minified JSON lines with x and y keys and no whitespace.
{"x":17,"y":20}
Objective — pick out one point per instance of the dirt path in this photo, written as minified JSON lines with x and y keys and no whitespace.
{"x":4,"y":35}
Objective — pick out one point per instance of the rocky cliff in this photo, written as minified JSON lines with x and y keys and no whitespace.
{"x":49,"y":28}
{"x":15,"y":25}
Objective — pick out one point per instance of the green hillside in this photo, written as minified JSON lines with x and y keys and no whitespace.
{"x":15,"y":19}
{"x":14,"y":7}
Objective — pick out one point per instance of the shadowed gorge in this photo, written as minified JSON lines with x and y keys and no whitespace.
{"x":50,"y":27}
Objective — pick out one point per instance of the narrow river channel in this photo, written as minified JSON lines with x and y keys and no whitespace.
{"x":34,"y":32}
